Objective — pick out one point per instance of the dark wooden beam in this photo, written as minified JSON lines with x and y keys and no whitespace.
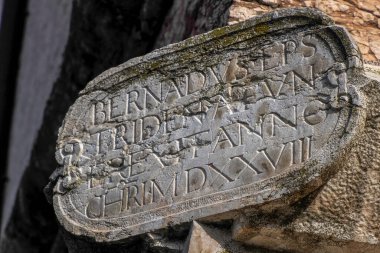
{"x":12,"y":25}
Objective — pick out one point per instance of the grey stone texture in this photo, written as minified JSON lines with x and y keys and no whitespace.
{"x":102,"y":34}
{"x":341,"y":215}
{"x":209,"y":239}
{"x":261,"y":125}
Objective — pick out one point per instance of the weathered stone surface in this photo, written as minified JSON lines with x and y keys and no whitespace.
{"x":103,"y":34}
{"x":243,"y":115}
{"x":343,"y":216}
{"x":207,"y":239}
{"x":360,"y":17}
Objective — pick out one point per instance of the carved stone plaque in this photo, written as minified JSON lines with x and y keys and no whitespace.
{"x":239,"y":116}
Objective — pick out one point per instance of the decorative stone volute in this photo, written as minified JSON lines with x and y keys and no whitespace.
{"x":242,"y":115}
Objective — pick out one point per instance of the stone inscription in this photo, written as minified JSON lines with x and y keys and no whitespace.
{"x":203,"y":131}
{"x":148,"y":145}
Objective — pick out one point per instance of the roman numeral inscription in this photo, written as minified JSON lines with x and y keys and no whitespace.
{"x":186,"y":138}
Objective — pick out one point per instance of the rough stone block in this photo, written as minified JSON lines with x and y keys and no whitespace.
{"x":256,"y":112}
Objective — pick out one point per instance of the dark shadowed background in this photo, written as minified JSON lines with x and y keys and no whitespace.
{"x":49,"y":50}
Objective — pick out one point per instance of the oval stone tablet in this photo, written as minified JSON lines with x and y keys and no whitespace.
{"x":239,"y":116}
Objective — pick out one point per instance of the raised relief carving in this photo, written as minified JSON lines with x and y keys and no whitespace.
{"x":196,"y":135}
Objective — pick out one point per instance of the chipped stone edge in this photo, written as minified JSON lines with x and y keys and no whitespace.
{"x":315,"y":16}
{"x":311,"y":177}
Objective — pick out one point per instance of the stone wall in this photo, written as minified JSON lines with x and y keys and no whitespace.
{"x":55,"y":67}
{"x":106,"y":33}
{"x":360,"y":17}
